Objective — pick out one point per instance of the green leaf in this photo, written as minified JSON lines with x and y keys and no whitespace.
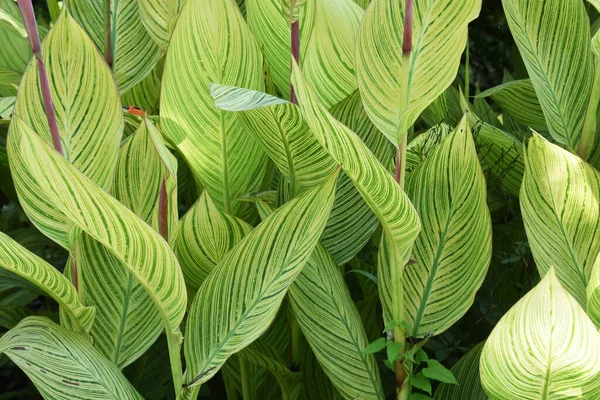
{"x":90,"y":209}
{"x":561,"y":213}
{"x":375,"y":184}
{"x":419,"y":396}
{"x":519,"y":100}
{"x":438,"y":39}
{"x":145,"y":94}
{"x":438,"y":372}
{"x":555,"y":46}
{"x":466,"y":371}
{"x":593,"y":293}
{"x":421,"y":356}
{"x":135,"y":53}
{"x":375,"y":347}
{"x":453,"y":250}
{"x":62,"y":364}
{"x":420,"y":381}
{"x":553,"y":348}
{"x":88,"y":112}
{"x":205,"y":236}
{"x":20,"y":261}
{"x":159,"y":17}
{"x":331,"y":324}
{"x":221,"y":156}
{"x":393,"y":351}
{"x":15,"y":52}
{"x":277,"y":250}
{"x":7,"y":105}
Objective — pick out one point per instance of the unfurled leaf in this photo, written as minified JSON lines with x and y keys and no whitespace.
{"x":88,"y":113}
{"x":20,"y":261}
{"x":90,"y":209}
{"x":221,"y":156}
{"x":439,"y":35}
{"x":561,"y":213}
{"x":466,"y":371}
{"x":134,"y":51}
{"x":62,"y":364}
{"x":454,"y":247}
{"x":205,"y":236}
{"x":545,"y":347}
{"x":438,"y":372}
{"x":276,"y":251}
{"x":553,"y":37}
{"x":331,"y":324}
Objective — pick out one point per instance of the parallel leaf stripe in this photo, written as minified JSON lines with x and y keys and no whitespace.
{"x":20,"y":261}
{"x":95,"y":212}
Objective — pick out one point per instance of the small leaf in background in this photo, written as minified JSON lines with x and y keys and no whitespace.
{"x":419,"y":396}
{"x":421,"y":356}
{"x":420,"y":381}
{"x":375,"y":346}
{"x":438,"y":372}
{"x":393,"y":351}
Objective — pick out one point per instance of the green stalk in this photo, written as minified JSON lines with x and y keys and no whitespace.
{"x":54,"y":9}
{"x":588,"y":135}
{"x":402,"y":388}
{"x":245,"y":376}
{"x":175,"y":360}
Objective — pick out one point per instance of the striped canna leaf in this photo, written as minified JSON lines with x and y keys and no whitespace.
{"x":62,"y":364}
{"x":15,"y":52}
{"x":127,"y":323}
{"x":439,"y":36}
{"x":561,"y":213}
{"x":553,"y":37}
{"x":236,"y":303}
{"x":545,"y":347}
{"x":519,"y":100}
{"x":134,"y":51}
{"x":159,"y":17}
{"x":90,"y":140}
{"x":384,"y":196}
{"x":224,"y":160}
{"x":205,"y":235}
{"x":593,"y":294}
{"x":466,"y":372}
{"x":90,"y":209}
{"x":454,"y":248}
{"x":18,"y":260}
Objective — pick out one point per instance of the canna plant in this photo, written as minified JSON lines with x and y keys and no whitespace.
{"x":297,"y":199}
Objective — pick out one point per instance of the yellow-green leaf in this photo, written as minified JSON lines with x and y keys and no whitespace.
{"x":454,"y":247}
{"x":159,"y":17}
{"x":561,"y":213}
{"x":438,"y":39}
{"x":553,"y":37}
{"x":211,"y":43}
{"x":545,"y":347}
{"x":62,"y":364}
{"x":236,"y":303}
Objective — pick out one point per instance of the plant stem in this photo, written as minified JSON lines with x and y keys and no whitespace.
{"x":175,"y":360}
{"x":54,"y":9}
{"x":108,"y":51}
{"x":34,"y":41}
{"x":295,"y":42}
{"x":586,"y":142}
{"x":163,"y":223}
{"x":402,"y":389}
{"x":245,"y":375}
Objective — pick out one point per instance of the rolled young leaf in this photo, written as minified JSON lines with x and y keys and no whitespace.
{"x":20,"y":261}
{"x":222,"y":158}
{"x":454,"y":248}
{"x":88,"y":112}
{"x":561,"y":213}
{"x":545,"y":347}
{"x":553,"y":37}
{"x":439,"y":35}
{"x":89,"y":208}
{"x":240,"y":298}
{"x":62,"y":364}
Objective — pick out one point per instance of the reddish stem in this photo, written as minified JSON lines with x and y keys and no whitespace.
{"x":163,"y":225}
{"x":408,"y":27}
{"x":295,"y":36}
{"x":34,"y":41}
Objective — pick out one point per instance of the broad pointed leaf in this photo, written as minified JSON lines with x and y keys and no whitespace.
{"x":438,"y":39}
{"x":545,"y":347}
{"x":159,"y":17}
